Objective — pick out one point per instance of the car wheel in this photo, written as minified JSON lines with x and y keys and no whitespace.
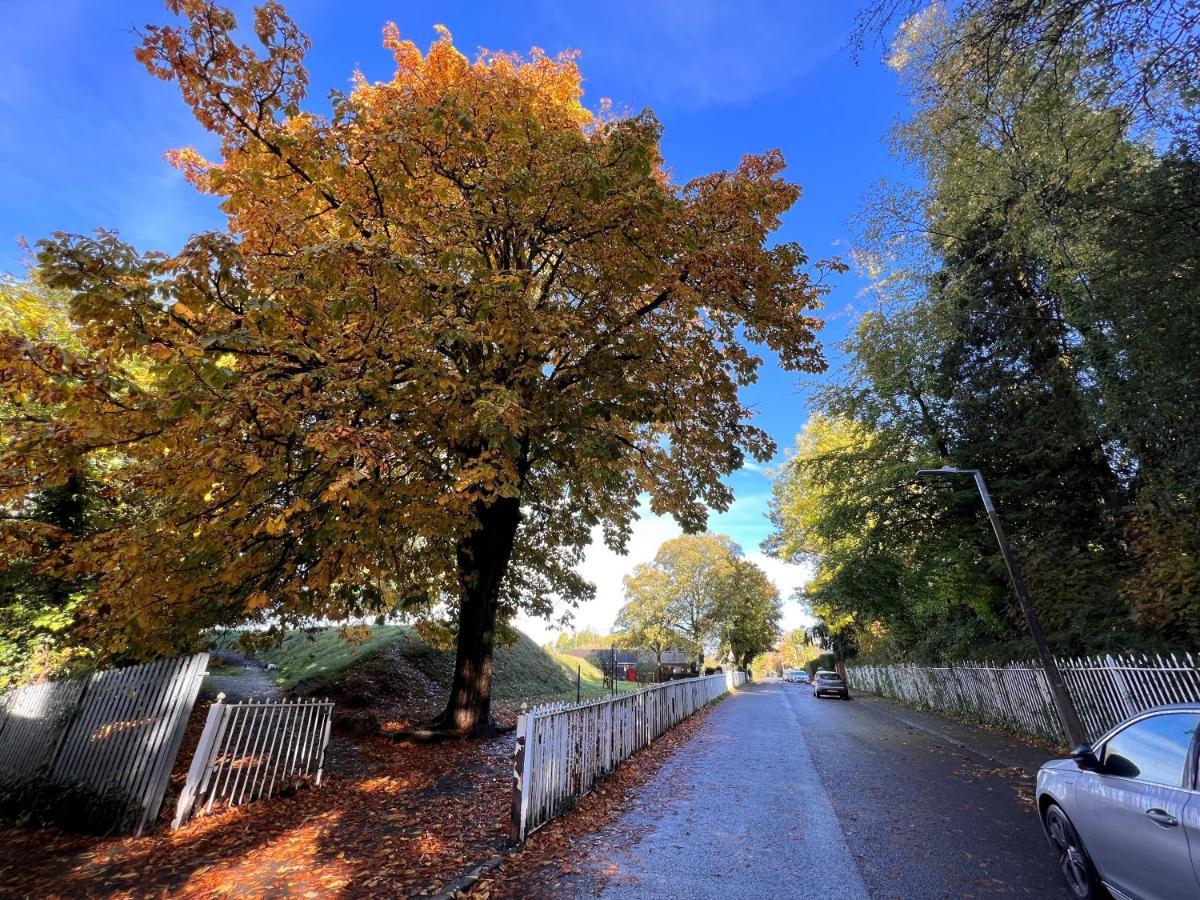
{"x":1073,"y":861}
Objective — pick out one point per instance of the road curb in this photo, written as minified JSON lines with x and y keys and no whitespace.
{"x":461,"y":886}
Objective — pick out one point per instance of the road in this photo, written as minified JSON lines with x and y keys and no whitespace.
{"x":784,"y":796}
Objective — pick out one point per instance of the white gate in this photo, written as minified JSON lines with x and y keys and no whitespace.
{"x":251,"y":750}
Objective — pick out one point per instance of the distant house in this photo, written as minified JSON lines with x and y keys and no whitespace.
{"x":639,"y":665}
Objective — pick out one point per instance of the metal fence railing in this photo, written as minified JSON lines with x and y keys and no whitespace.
{"x":252,"y":750}
{"x":111,"y":737}
{"x":1016,"y":695}
{"x":563,"y":749}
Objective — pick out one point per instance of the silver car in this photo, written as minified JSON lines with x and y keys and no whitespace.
{"x":826,"y":682}
{"x":1124,"y":812}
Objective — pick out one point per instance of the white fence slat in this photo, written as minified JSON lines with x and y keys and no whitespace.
{"x":33,"y":723}
{"x":172,"y":736}
{"x":201,"y":760}
{"x":114,"y":733}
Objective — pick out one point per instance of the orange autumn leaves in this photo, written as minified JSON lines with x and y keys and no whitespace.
{"x":459,"y":285}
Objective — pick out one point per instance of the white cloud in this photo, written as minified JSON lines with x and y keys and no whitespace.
{"x":788,"y":579}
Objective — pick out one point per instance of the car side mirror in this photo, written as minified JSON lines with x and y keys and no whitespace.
{"x":1085,"y":757}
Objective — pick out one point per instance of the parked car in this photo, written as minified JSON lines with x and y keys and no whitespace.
{"x":1123,"y":812}
{"x":827,"y":682}
{"x":796,"y":676}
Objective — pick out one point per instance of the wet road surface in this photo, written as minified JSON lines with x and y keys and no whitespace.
{"x":782,"y":795}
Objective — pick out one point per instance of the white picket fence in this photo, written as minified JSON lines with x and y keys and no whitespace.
{"x":250,"y":750}
{"x":114,"y":734}
{"x":563,"y":749}
{"x":1015,"y":695}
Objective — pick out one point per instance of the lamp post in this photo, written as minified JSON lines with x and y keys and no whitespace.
{"x":1067,"y":714}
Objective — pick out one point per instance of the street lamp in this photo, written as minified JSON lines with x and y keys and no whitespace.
{"x":1058,"y":690}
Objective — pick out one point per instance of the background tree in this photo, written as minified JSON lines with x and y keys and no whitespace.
{"x":796,"y":649}
{"x":748,"y":612}
{"x":450,"y":328}
{"x":701,"y":593}
{"x":586,"y":638}
{"x":1142,"y":54}
{"x":1018,"y":332}
{"x":649,"y":617}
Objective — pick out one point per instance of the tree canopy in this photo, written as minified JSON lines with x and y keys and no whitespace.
{"x":1036,"y":318}
{"x":450,"y":327}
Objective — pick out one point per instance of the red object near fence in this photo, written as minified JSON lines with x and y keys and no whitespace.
{"x":631,"y":673}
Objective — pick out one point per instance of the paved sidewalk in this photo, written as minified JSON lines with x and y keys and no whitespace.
{"x":729,"y":825}
{"x":781,"y":795}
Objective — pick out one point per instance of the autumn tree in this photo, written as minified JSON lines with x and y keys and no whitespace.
{"x":450,"y":327}
{"x":585,"y":639}
{"x":700,"y":591}
{"x":648,"y":618}
{"x":796,"y":649}
{"x":38,"y":596}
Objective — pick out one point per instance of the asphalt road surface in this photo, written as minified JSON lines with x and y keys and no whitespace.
{"x":781,"y":795}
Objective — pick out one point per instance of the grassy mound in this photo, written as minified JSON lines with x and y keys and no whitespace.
{"x":308,"y":661}
{"x":591,"y":679}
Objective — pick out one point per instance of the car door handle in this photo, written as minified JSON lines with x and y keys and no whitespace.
{"x":1162,"y":817}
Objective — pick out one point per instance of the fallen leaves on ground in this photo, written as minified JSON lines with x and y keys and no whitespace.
{"x":1020,"y":780}
{"x":418,"y":815}
{"x":391,"y":820}
{"x":566,"y":855}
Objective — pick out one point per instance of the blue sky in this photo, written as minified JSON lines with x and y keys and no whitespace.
{"x":85,"y":129}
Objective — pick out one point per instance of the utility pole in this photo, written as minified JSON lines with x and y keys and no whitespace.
{"x":1063,"y":703}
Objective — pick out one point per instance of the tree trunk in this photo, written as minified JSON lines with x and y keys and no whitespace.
{"x":483,"y":558}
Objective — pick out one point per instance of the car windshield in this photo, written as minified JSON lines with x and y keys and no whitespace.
{"x":827,"y":676}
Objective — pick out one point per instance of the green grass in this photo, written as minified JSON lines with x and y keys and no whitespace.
{"x":591,"y":680}
{"x":520,"y":670}
{"x":308,"y":660}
